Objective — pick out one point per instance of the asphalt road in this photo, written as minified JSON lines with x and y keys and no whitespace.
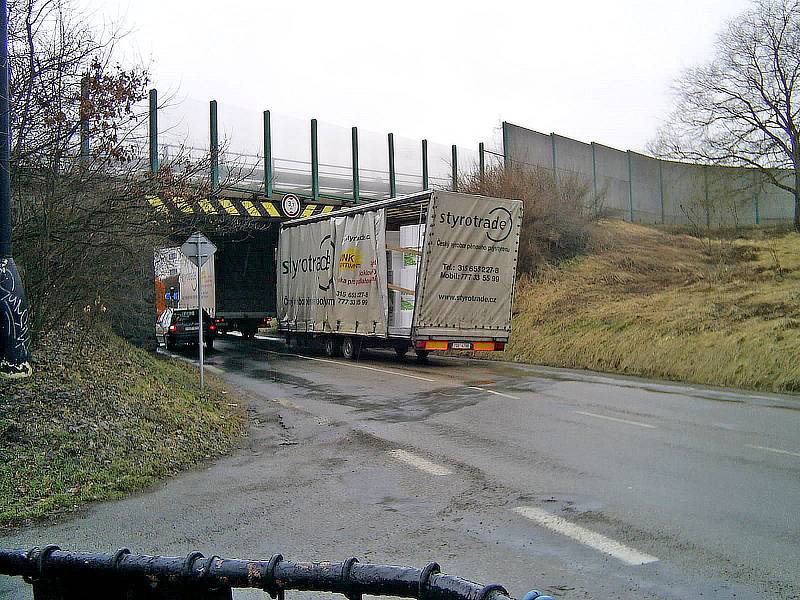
{"x":584,"y":485}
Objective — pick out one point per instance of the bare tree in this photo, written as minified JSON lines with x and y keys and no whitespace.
{"x":83,"y":230}
{"x":742,"y":107}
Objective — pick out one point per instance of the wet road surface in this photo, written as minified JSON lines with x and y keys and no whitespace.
{"x":584,"y":485}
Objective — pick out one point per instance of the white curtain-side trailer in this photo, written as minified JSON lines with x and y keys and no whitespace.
{"x":433,"y":270}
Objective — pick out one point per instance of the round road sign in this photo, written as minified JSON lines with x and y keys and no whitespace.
{"x":290,"y":205}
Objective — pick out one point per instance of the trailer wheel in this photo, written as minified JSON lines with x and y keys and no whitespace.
{"x":422,"y":355}
{"x":351,"y":348}
{"x":401,"y":350}
{"x":333,"y":347}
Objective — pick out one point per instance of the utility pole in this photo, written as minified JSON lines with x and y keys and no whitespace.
{"x":15,"y":335}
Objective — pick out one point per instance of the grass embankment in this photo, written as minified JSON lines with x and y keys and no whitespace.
{"x":655,"y":304}
{"x":100,"y":418}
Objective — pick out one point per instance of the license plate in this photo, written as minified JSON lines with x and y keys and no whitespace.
{"x":193,"y":328}
{"x":461,"y":345}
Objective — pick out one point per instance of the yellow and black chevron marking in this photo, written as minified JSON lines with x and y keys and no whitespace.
{"x":255,"y":209}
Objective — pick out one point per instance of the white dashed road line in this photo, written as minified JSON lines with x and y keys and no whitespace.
{"x":474,"y":387}
{"x":353,"y":365}
{"x":775,"y":450}
{"x":585,"y":536}
{"x":423,"y":464}
{"x":637,"y":423}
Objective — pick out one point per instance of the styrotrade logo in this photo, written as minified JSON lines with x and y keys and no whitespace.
{"x":498,"y":225}
{"x":313,"y":263}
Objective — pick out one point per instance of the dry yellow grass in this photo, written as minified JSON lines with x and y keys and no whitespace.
{"x":655,"y":304}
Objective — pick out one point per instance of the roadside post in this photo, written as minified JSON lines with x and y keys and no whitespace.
{"x":198,"y":249}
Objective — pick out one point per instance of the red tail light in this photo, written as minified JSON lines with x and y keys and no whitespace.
{"x":212,"y":327}
{"x":219,"y":320}
{"x":173,"y":328}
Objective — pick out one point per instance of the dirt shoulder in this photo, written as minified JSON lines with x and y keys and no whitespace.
{"x":655,"y":304}
{"x":101,"y":418}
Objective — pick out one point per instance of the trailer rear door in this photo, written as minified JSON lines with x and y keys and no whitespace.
{"x":469,"y":264}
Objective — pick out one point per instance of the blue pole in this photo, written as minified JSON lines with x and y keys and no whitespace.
{"x":5,"y":140}
{"x":15,"y":335}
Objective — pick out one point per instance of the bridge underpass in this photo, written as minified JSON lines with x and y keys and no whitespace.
{"x":317,"y":162}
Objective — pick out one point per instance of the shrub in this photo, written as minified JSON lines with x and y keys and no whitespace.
{"x":555,"y":220}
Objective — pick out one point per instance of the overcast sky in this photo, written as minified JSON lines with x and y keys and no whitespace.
{"x":449,"y":71}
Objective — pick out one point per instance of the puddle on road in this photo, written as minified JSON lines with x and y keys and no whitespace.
{"x":412,"y":407}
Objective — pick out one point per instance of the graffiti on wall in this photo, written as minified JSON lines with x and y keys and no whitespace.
{"x":15,"y":332}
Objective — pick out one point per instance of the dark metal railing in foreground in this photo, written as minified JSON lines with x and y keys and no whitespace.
{"x":57,"y":574}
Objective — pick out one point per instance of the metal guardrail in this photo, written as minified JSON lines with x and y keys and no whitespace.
{"x":60,"y":575}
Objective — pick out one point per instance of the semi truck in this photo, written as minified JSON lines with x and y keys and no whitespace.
{"x":238,"y":281}
{"x":430,"y":271}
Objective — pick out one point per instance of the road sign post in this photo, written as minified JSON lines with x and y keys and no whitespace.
{"x":198,"y":249}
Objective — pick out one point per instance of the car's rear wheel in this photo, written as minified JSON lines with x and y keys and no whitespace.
{"x":351,"y":348}
{"x":333,"y":346}
{"x":170,"y":344}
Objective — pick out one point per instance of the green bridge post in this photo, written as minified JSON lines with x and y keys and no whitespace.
{"x":506,"y":158}
{"x":425,"y":164}
{"x":267,"y":155}
{"x":392,"y":175}
{"x":314,"y":162}
{"x":214,"y":145}
{"x":454,"y":174}
{"x":356,"y":180}
{"x":481,"y":162}
{"x":153,"y":131}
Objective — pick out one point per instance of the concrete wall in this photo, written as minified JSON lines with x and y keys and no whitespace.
{"x":649,"y":190}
